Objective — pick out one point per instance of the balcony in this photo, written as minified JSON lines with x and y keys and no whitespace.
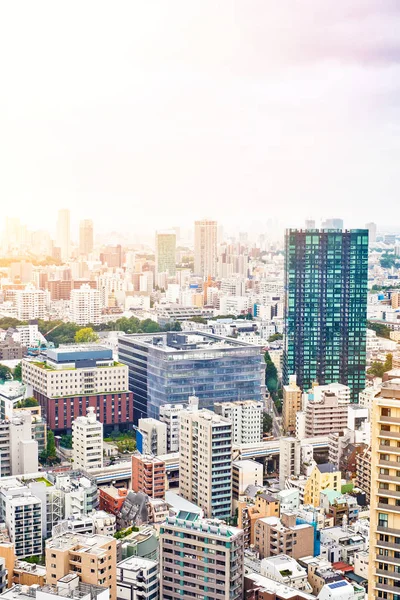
{"x":389,"y":507}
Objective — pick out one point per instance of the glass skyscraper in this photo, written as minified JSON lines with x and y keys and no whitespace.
{"x":167,"y":368}
{"x":326,"y":274}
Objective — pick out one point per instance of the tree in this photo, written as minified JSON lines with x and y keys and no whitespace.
{"x":275,"y":337}
{"x":86,"y":334}
{"x":18,"y":372}
{"x":271,"y":374}
{"x":378,"y":368}
{"x":5,"y":372}
{"x":49,"y":455}
{"x":66,"y":441}
{"x":267,"y":423}
{"x":380,"y":328}
{"x":28,"y":403}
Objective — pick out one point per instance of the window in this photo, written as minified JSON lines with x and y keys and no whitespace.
{"x":382,"y":520}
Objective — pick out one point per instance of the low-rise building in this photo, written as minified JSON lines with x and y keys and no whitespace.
{"x":249,"y":511}
{"x":111,"y":499}
{"x":322,"y":477}
{"x":137,"y":578}
{"x":151,"y":436}
{"x":245,"y":473}
{"x":275,"y":536}
{"x":285,"y":569}
{"x":66,"y":587}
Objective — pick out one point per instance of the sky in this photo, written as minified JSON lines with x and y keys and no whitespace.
{"x":154,"y":113}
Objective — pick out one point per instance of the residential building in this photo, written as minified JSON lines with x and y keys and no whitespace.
{"x":245,"y":473}
{"x":326,"y":274}
{"x":86,"y":306}
{"x":25,"y":573}
{"x":363,"y":472}
{"x":22,"y":512}
{"x":31,"y":303}
{"x":325,"y":476}
{"x":325,"y":415}
{"x":69,"y":379}
{"x":292,"y":403}
{"x":85,"y":237}
{"x":205,"y":462}
{"x":289,"y":459}
{"x":274,"y":535}
{"x":78,"y":494}
{"x":165,"y":252}
{"x":151,"y":437}
{"x":258,"y":587}
{"x":167,"y":368}
{"x":137,"y":579}
{"x":18,"y":449}
{"x":66,"y":587}
{"x":91,"y":557}
{"x":64,"y":233}
{"x":98,"y":522}
{"x":205,"y":248}
{"x":246,"y":417}
{"x":250,"y":510}
{"x":87,"y":442}
{"x":111,"y":499}
{"x":285,"y":569}
{"x":148,"y":475}
{"x":169,"y":414}
{"x":12,"y":392}
{"x":11,"y":350}
{"x":385,"y":481}
{"x":214,"y":544}
{"x":346,"y":539}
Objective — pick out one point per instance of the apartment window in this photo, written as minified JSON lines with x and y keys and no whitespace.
{"x":382,"y":520}
{"x":385,"y":412}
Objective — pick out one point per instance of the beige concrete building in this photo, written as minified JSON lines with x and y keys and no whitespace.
{"x":263,"y":505}
{"x":205,"y":462}
{"x":275,"y":536}
{"x":325,"y":415}
{"x":92,"y":557}
{"x":205,"y":248}
{"x":245,"y":473}
{"x":384,"y":577}
{"x":291,"y":405}
{"x":363,"y":472}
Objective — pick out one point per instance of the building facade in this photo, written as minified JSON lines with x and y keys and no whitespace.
{"x":85,"y":237}
{"x":246,"y":417}
{"x":86,"y":305}
{"x":87,"y":442}
{"x":148,"y":475}
{"x":291,"y":404}
{"x":165,"y":252}
{"x":137,"y":579}
{"x":325,"y":307}
{"x":205,"y":248}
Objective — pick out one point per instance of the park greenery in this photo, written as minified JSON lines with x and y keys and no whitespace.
{"x":125,"y":441}
{"x":380,"y":329}
{"x":275,"y":337}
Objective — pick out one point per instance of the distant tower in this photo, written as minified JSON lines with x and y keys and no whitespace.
{"x":85,"y":237}
{"x":205,"y":248}
{"x":372,"y":232}
{"x":166,"y":252}
{"x":64,"y":233}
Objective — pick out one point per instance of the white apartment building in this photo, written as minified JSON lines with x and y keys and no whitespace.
{"x":205,"y":461}
{"x":137,"y":579}
{"x":289,"y":459}
{"x":338,"y":389}
{"x":153,"y":436}
{"x":18,"y":450}
{"x":31,"y":303}
{"x":23,"y":518}
{"x":97,"y":523}
{"x":79,"y":494}
{"x":246,"y":418}
{"x":169,"y":414}
{"x":87,"y":442}
{"x":205,"y":248}
{"x":85,"y":306}
{"x":245,"y":473}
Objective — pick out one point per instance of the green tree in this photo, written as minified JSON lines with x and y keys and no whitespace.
{"x":380,"y":328}
{"x":50,"y":455}
{"x":18,"y":372}
{"x":275,"y":337}
{"x":267,"y":423}
{"x":66,"y":441}
{"x":5,"y":372}
{"x":271,"y":374}
{"x":28,"y":403}
{"x":86,"y":334}
{"x":378,"y":368}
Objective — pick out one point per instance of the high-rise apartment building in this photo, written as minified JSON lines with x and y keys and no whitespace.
{"x":165,"y":368}
{"x":205,"y":462}
{"x":289,"y":459}
{"x":87,"y":442}
{"x":205,"y":248}
{"x":169,"y":414}
{"x":148,"y":475}
{"x":86,"y":306}
{"x":64,"y":233}
{"x":217,"y":571}
{"x":165,"y":252}
{"x":325,"y":307}
{"x":246,"y":417}
{"x":151,"y":437}
{"x":31,"y":303}
{"x":292,"y":402}
{"x":325,"y":415}
{"x":384,"y":580}
{"x":85,"y":237}
{"x":22,"y":512}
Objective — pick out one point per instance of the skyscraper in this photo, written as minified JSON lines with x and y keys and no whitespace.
{"x":205,"y":248}
{"x":64,"y":233}
{"x":85,"y":237}
{"x":372,"y":232}
{"x":165,"y":252}
{"x":325,"y":307}
{"x":384,"y":544}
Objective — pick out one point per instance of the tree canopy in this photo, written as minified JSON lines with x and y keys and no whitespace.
{"x":86,"y":334}
{"x":271,"y":374}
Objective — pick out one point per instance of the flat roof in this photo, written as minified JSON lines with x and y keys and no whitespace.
{"x":187,"y":341}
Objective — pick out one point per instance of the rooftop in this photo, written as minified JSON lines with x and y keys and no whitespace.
{"x":81,"y":592}
{"x":172,"y":342}
{"x":136,"y":563}
{"x":327,"y":468}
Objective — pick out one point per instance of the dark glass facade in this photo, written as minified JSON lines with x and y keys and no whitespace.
{"x":326,"y":275}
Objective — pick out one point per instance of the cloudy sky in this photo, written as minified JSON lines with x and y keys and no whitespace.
{"x":152,"y":113}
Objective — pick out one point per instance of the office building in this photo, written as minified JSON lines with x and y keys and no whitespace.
{"x":292,"y":396}
{"x":69,"y":379}
{"x":385,"y":481}
{"x":31,"y":303}
{"x":22,"y":513}
{"x":205,"y":462}
{"x":92,"y":557}
{"x":87,"y":442}
{"x":165,"y":252}
{"x":246,"y":417}
{"x":85,"y":237}
{"x":64,"y":233}
{"x":205,"y":248}
{"x":18,"y":449}
{"x":167,"y":368}
{"x":151,"y":437}
{"x":214,"y":544}
{"x":326,"y":273}
{"x":85,"y":306}
{"x":148,"y":475}
{"x":289,"y":459}
{"x":274,"y":536}
{"x":137,"y":579}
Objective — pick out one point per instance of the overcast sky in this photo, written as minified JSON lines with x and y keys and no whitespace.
{"x":147,"y":113}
